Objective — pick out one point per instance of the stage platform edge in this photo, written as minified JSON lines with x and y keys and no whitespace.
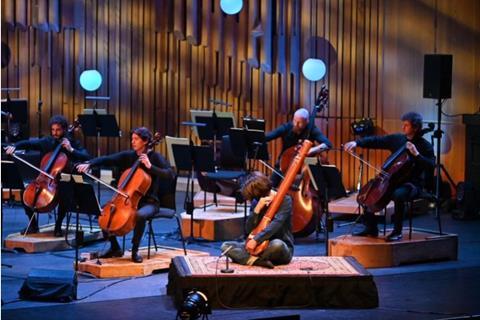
{"x":304,"y":283}
{"x":424,"y":246}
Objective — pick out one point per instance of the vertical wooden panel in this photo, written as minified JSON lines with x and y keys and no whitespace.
{"x":159,"y":58}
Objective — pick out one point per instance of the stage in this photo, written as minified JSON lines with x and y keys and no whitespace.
{"x":306,"y":282}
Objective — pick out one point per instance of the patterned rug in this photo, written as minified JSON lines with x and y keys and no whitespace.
{"x":206,"y":266}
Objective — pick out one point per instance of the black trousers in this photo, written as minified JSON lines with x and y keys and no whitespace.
{"x":144,"y":212}
{"x":61,"y":213}
{"x":400,"y":196}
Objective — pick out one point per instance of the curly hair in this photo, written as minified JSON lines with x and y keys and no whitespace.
{"x":414,"y":118}
{"x":143,"y":133}
{"x":256,"y":185}
{"x":60,"y":120}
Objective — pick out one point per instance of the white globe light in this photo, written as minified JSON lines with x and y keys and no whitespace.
{"x":90,"y":80}
{"x":314,"y":69}
{"x":231,"y":6}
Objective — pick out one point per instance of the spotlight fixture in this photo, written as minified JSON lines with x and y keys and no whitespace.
{"x":195,"y":305}
{"x":314,"y":69}
{"x":231,"y":6}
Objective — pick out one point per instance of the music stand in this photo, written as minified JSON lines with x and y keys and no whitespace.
{"x":78,"y":197}
{"x":324,"y":179}
{"x":216,"y":125}
{"x":17,"y":109}
{"x":249,"y":144}
{"x":97,"y":123}
{"x":252,"y":123}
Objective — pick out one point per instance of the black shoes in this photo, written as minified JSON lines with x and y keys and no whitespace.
{"x":394,"y":236}
{"x":264,"y":263}
{"x":58,"y":232}
{"x":367,"y":232}
{"x":111,"y":253}
{"x":136,"y":257}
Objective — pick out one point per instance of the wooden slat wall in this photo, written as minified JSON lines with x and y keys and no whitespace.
{"x":161,"y":58}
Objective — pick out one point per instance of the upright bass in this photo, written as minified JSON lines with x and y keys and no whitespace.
{"x":304,"y":207}
{"x":283,"y":189}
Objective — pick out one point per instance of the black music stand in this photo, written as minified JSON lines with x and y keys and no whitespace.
{"x":249,"y":144}
{"x":255,"y":124}
{"x":192,"y":158}
{"x":77,"y":197}
{"x":17,"y":109}
{"x":326,"y":179}
{"x":99,"y":125}
{"x":215,"y":128}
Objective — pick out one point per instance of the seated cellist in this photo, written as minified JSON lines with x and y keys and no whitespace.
{"x":156,"y":166}
{"x":423,"y":157}
{"x":258,"y":189}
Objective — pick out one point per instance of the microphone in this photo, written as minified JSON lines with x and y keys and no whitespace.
{"x":224,"y":252}
{"x":227,"y":268}
{"x":220,"y":102}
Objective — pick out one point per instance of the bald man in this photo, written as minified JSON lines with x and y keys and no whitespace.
{"x":294,"y":131}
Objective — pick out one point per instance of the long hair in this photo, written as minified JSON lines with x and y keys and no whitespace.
{"x":143,"y":133}
{"x":414,"y":118}
{"x":256,"y":186}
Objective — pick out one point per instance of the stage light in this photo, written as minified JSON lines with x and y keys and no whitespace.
{"x":194,"y":306}
{"x":231,"y":6}
{"x":314,"y":69}
{"x":90,"y":80}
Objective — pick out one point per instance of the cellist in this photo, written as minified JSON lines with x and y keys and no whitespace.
{"x":75,"y":152}
{"x":257,"y":188}
{"x":424,"y":159}
{"x":295,"y":130}
{"x":156,"y":166}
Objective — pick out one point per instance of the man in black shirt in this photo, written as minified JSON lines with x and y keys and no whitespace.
{"x":422,"y":154}
{"x":156,"y":166}
{"x":294,"y":131}
{"x":74,"y":151}
{"x":257,"y":188}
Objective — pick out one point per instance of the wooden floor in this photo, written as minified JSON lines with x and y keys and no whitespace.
{"x":376,"y":252}
{"x":44,"y":240}
{"x":125,"y":267}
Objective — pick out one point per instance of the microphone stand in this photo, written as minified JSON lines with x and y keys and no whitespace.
{"x":227,"y":267}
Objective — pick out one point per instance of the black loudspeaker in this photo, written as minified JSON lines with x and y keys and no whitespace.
{"x":50,"y":285}
{"x":437,"y":76}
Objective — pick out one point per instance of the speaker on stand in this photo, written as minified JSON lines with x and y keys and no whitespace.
{"x":437,"y":84}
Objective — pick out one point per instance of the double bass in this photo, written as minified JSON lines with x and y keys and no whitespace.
{"x":283,"y":189}
{"x":305,"y":205}
{"x":118,"y":216}
{"x":41,"y":195}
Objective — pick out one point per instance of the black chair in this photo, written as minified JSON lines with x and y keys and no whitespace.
{"x":226,"y":180}
{"x":422,"y":195}
{"x":167,"y":210}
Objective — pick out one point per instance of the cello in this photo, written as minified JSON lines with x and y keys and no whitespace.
{"x":305,"y":206}
{"x":118,"y":216}
{"x":41,"y":194}
{"x":283,"y":189}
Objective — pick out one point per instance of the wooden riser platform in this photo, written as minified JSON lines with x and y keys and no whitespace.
{"x":124,"y":267}
{"x":45,"y":240}
{"x":377,"y":253}
{"x":215,"y":224}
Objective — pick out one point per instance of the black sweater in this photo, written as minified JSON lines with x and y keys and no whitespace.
{"x":289,"y":138}
{"x":48,"y":144}
{"x":279,"y":228}
{"x":161,"y":171}
{"x":423,"y":163}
